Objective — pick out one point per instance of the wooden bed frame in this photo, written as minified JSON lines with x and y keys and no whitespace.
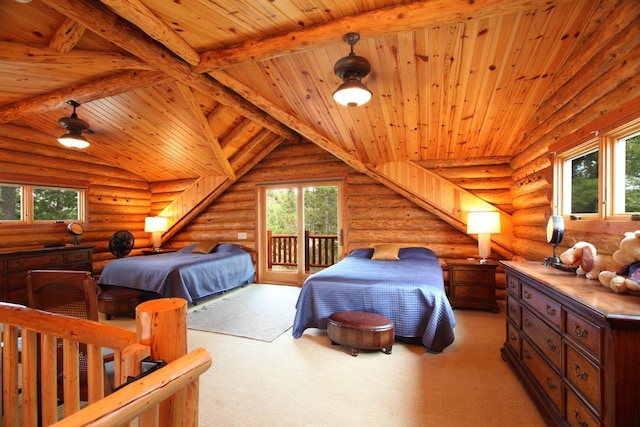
{"x":158,"y":399}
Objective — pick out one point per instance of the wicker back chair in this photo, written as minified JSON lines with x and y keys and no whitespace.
{"x":70,"y":293}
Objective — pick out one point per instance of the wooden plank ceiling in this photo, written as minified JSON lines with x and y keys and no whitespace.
{"x":192,"y":88}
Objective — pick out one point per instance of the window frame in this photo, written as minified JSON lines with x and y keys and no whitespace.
{"x":27,"y":185}
{"x":609,"y":193}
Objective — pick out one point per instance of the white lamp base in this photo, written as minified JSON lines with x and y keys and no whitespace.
{"x":484,"y":246}
{"x":156,"y":237}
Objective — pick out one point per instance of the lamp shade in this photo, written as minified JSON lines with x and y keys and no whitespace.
{"x":155,"y":224}
{"x":483,"y":222}
{"x":352,"y":93}
{"x":73,"y":139}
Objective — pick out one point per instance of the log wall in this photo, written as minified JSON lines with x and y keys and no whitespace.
{"x":117,"y":200}
{"x":593,"y":85}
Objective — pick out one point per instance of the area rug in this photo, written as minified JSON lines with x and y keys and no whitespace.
{"x":260,"y":312}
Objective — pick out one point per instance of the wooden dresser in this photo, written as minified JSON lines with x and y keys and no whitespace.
{"x":15,"y":265}
{"x":575,"y":345}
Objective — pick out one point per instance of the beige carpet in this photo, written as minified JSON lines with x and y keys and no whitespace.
{"x":309,"y":382}
{"x":249,"y":312}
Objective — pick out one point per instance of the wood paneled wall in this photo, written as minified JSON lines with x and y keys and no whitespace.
{"x":117,"y":200}
{"x":593,"y":84}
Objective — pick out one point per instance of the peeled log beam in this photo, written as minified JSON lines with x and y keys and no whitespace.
{"x":414,"y":16}
{"x":534,"y":199}
{"x":482,"y":171}
{"x":170,"y":186}
{"x":532,"y":216}
{"x":532,"y":250}
{"x":99,"y":88}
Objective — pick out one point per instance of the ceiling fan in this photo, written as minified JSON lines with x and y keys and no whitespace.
{"x":75,"y":127}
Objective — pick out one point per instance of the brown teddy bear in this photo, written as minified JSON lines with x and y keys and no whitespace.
{"x":584,"y":256}
{"x":627,"y":278}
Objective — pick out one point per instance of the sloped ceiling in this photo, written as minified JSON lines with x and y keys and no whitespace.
{"x":192,"y":88}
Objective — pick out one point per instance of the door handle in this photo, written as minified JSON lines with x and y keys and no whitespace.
{"x":341,"y":238}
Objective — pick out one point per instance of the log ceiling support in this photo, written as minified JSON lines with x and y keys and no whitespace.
{"x":409,"y":17}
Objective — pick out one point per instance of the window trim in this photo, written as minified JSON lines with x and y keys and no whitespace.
{"x":28,"y":182}
{"x":605,"y":142}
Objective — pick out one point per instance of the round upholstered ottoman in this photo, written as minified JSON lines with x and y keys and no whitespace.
{"x":361,"y":331}
{"x":118,"y":302}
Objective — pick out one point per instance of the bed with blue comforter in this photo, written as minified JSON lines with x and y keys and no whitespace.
{"x":183,"y":274}
{"x":410,"y":292}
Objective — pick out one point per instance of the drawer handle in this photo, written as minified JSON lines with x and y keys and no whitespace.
{"x":551,"y":345}
{"x":580,"y":332}
{"x":580,"y":375}
{"x":527,"y":322}
{"x":512,"y":309}
{"x":527,"y":355}
{"x":583,"y":423}
{"x":527,"y":295}
{"x":513,"y":337}
{"x":550,"y":384}
{"x":550,"y":310}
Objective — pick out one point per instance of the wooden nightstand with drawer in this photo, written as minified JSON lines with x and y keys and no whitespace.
{"x":472,"y":284}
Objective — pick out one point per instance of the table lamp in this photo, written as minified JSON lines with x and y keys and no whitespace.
{"x":483,"y":224}
{"x":156,"y":225}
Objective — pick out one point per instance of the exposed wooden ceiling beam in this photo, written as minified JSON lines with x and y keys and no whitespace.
{"x":30,"y":53}
{"x":137,"y":13}
{"x":67,"y":36}
{"x":201,"y":119}
{"x":99,"y":19}
{"x":409,"y":17}
{"x":101,"y":88}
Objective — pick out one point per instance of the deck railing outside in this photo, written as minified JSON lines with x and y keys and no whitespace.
{"x":321,"y":250}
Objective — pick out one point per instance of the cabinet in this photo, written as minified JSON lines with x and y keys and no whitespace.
{"x":574,"y":344}
{"x":14,"y":267}
{"x":472,"y":284}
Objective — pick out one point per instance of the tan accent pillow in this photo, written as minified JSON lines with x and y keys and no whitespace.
{"x":204,"y":247}
{"x":386,"y":253}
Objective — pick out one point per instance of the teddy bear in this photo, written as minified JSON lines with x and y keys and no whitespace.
{"x":584,"y":256}
{"x":627,"y":278}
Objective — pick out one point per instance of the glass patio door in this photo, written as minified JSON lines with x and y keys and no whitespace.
{"x":299,"y":230}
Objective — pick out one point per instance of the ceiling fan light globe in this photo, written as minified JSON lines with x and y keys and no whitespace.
{"x":352,"y":94}
{"x":73,"y":140}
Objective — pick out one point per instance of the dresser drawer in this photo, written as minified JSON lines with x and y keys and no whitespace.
{"x":585,"y":377}
{"x":584,"y":333}
{"x":544,"y":374}
{"x":513,"y":338}
{"x":513,"y":309}
{"x":463,"y":275}
{"x":548,"y":308}
{"x":78,"y":257}
{"x":577,"y":414}
{"x":29,"y":263}
{"x":546,"y":339}
{"x":513,"y":285}
{"x":465,"y":291}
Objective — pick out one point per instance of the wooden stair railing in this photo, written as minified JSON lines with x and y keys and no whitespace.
{"x":38,"y":333}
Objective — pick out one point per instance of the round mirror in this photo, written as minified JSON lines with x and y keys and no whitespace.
{"x":555,"y":229}
{"x":75,"y":230}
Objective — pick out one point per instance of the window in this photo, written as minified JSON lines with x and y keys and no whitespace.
{"x":600,"y":178}
{"x":32,"y":203}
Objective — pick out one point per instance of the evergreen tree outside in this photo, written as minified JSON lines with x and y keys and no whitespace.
{"x":55,"y":204}
{"x":632,"y":174}
{"x":584,"y":183}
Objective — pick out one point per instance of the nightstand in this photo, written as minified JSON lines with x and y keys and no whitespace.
{"x":472,"y":285}
{"x":154,"y":252}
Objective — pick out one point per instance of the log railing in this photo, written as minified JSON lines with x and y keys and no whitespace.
{"x":320,"y":250}
{"x":29,"y":368}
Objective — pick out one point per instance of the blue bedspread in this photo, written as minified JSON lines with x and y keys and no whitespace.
{"x":410,"y":292}
{"x":183,"y":274}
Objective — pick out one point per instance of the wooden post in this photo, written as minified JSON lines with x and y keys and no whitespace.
{"x":162,"y":325}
